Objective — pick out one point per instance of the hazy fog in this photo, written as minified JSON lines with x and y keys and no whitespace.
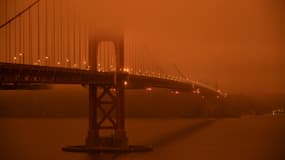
{"x":237,"y":44}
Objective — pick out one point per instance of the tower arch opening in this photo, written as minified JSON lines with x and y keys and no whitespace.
{"x":106,"y":56}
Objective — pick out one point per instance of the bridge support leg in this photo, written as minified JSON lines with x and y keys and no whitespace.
{"x":106,"y":118}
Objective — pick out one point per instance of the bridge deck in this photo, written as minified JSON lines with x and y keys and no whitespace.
{"x":24,"y":74}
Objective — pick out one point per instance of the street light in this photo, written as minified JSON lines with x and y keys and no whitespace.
{"x":15,"y":59}
{"x":148,"y":89}
{"x":21,"y":56}
{"x":46,"y":59}
{"x":67,"y":62}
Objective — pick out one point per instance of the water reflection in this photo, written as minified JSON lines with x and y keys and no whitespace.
{"x":158,"y":142}
{"x":247,"y":138}
{"x":179,"y":134}
{"x":103,"y":156}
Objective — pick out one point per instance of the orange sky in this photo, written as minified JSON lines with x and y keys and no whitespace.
{"x":238,"y":44}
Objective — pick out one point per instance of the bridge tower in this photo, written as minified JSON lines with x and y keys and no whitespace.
{"x":107,"y":98}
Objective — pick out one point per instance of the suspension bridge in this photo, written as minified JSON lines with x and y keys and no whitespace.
{"x":45,"y":42}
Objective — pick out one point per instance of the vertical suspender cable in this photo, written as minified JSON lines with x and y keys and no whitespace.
{"x":111,"y":54}
{"x":39,"y":40}
{"x":20,"y":36}
{"x":60,"y":21}
{"x":6,"y":33}
{"x":131,"y":55}
{"x":136,"y":61}
{"x":133,"y":59}
{"x":15,"y":35}
{"x":54,"y":55}
{"x":79,"y":39}
{"x":57,"y":21}
{"x":24,"y":36}
{"x":30,"y":38}
{"x":126,"y":58}
{"x":9,"y":52}
{"x":130,"y":59}
{"x":87,"y":45}
{"x":84,"y":44}
{"x":68,"y":34}
{"x":104,"y":56}
{"x":108,"y":56}
{"x":46,"y":32}
{"x":74,"y":37}
{"x":20,"y":39}
{"x":128,"y":50}
{"x":131,"y":52}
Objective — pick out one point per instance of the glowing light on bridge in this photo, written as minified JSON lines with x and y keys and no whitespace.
{"x":196,"y":91}
{"x":99,"y":67}
{"x":21,"y":57}
{"x":113,"y":89}
{"x":125,"y":83}
{"x":148,"y":89}
{"x":111,"y":67}
{"x":126,"y":70}
{"x":46,"y":59}
{"x":175,"y":92}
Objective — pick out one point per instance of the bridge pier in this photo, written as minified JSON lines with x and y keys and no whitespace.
{"x":106,"y":117}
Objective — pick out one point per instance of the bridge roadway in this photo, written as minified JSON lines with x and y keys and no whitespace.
{"x":23,"y":74}
{"x":13,"y":74}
